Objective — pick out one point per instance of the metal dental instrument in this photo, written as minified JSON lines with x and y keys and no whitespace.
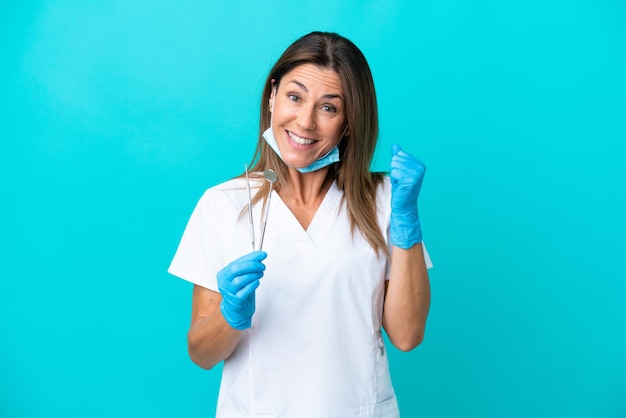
{"x":251,"y":221}
{"x":270,"y":176}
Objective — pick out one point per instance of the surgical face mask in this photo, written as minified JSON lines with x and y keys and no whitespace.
{"x":329,"y":158}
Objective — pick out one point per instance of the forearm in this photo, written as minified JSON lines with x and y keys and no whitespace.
{"x":211,"y":340}
{"x":407,"y":298}
{"x":218,"y":318}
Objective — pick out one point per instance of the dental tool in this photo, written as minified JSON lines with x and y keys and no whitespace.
{"x":251,"y":221}
{"x":270,"y":175}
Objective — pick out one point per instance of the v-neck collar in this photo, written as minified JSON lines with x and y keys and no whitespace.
{"x":322,"y":221}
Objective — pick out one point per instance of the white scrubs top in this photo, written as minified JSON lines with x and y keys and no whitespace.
{"x":315,"y":347}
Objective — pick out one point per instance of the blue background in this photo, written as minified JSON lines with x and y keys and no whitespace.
{"x":116,"y":115}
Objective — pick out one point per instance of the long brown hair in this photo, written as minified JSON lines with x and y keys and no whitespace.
{"x":352,"y":172}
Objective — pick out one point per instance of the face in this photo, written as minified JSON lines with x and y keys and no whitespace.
{"x":308,"y":114}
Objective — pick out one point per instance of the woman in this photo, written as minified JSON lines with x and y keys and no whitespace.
{"x":298,"y":325}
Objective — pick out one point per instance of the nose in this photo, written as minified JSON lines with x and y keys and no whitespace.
{"x":306,"y":118}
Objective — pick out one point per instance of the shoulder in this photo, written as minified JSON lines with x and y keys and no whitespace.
{"x":385,"y":184}
{"x":383,"y":189}
{"x":227,"y":186}
{"x":229,"y":193}
{"x":383,"y":200}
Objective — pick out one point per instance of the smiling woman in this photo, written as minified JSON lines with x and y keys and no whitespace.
{"x":343,"y":254}
{"x":308,"y":116}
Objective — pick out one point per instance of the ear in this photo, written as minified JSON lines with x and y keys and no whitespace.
{"x":272,"y":94}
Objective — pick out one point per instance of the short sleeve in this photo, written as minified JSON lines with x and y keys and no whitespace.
{"x":198,"y":257}
{"x":429,"y":263}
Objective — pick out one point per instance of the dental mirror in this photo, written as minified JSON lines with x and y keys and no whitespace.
{"x":270,"y":175}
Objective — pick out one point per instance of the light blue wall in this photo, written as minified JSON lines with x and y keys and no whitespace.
{"x":116,"y":115}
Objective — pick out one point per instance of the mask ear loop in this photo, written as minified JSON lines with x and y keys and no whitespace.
{"x":343,"y":135}
{"x":345,"y":132}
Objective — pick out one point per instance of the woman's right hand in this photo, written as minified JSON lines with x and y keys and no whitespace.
{"x":237,"y":283}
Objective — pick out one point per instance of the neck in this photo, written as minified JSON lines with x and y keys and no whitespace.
{"x":306,"y":189}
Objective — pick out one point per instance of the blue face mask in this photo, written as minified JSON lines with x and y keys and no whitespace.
{"x":331,"y":156}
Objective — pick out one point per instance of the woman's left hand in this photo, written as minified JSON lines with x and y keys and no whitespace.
{"x":407,"y":174}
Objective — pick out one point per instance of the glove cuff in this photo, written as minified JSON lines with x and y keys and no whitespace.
{"x":405,"y":231}
{"x":234,"y":320}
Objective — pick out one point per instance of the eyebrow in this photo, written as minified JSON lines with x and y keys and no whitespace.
{"x":325,"y":96}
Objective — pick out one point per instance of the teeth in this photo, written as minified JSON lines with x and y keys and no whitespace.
{"x":302,"y":141}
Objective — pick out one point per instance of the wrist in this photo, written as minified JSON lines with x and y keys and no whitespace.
{"x":233,"y":319}
{"x":405,"y":230}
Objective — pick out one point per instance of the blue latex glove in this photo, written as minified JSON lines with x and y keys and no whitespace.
{"x":407,"y":174}
{"x":237,"y":283}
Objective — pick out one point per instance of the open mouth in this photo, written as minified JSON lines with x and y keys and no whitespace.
{"x":299,"y":140}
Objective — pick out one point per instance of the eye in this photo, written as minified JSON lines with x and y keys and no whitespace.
{"x":329,"y":108}
{"x":293,"y":97}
